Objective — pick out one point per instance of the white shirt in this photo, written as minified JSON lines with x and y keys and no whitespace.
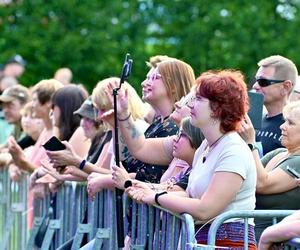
{"x":230,"y":154}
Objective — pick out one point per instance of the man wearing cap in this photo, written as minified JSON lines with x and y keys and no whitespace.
{"x":13,"y":99}
{"x":15,"y":66}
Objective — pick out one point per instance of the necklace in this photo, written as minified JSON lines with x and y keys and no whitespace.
{"x":208,"y":149}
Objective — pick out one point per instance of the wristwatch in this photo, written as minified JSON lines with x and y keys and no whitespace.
{"x":127,"y":184}
{"x":252,"y":146}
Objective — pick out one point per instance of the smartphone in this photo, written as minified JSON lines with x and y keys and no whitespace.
{"x":293,"y":172}
{"x":54,"y":144}
{"x":255,"y":112}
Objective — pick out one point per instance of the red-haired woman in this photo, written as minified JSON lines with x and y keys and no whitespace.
{"x":223,"y":177}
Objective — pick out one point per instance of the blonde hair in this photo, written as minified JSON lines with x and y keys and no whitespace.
{"x":178,"y":78}
{"x":154,"y":60}
{"x":285,"y":69}
{"x":136,"y":106}
{"x":45,"y":89}
{"x":290,"y":108}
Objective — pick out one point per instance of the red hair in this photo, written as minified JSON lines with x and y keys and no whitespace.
{"x":227,"y":93}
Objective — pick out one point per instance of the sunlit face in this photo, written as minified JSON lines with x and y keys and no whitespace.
{"x":290,"y":130}
{"x":12,"y":111}
{"x":32,"y":126}
{"x":271,"y":93}
{"x":182,"y":147}
{"x":201,"y":113}
{"x":182,"y":109}
{"x":39,"y":110}
{"x":154,"y":90}
{"x":89,"y":127}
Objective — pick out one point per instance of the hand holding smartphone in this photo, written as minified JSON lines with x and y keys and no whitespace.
{"x":54,"y":144}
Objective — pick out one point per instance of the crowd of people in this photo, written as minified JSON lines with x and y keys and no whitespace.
{"x":206,"y":157}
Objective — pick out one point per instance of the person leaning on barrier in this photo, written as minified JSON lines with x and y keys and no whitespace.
{"x":276,"y":187}
{"x":41,"y":104}
{"x":223,"y":176}
{"x":95,"y":131}
{"x":177,"y":169}
{"x":101,"y":169}
{"x":65,"y":101}
{"x":165,"y":85}
{"x":285,"y":230}
{"x":32,"y":127}
{"x":185,"y":144}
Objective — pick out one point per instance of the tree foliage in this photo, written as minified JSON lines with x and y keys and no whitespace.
{"x":92,"y":37}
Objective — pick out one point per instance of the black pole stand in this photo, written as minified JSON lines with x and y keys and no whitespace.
{"x":126,"y":70}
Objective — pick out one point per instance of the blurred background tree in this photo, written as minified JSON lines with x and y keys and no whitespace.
{"x":92,"y":37}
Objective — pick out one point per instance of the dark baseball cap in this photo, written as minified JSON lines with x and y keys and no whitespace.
{"x":87,"y":109}
{"x":17,"y":59}
{"x":18,"y":92}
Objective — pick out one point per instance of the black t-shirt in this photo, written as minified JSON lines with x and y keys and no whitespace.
{"x":97,"y":146}
{"x":270,"y":133}
{"x":149,"y":172}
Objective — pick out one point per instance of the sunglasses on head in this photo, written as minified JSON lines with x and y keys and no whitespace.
{"x":267,"y":82}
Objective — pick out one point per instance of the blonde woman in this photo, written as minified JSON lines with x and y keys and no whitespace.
{"x":101,"y":98}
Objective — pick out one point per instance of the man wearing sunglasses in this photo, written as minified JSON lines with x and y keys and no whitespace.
{"x":275,"y":79}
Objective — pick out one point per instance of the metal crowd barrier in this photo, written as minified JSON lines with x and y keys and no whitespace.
{"x":68,"y":210}
{"x":246,"y":214}
{"x":13,"y":212}
{"x":150,"y":227}
{"x":101,"y":222}
{"x":293,"y":243}
{"x":153,"y":227}
{"x":75,"y":216}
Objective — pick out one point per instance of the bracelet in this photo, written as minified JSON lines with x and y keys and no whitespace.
{"x":157,"y":195}
{"x":82,"y":164}
{"x":125,"y":119}
{"x":127,"y":184}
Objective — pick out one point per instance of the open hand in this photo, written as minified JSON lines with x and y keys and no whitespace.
{"x":247,"y":131}
{"x":141,"y":192}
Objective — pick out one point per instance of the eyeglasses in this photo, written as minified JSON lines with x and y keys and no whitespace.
{"x":267,"y":82}
{"x":180,"y":134}
{"x":154,"y":76}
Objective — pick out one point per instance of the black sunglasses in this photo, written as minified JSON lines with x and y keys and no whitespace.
{"x":267,"y":82}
